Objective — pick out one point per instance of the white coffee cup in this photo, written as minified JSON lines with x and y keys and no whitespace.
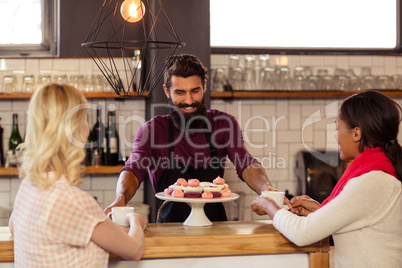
{"x":278,"y":197}
{"x":119,"y":215}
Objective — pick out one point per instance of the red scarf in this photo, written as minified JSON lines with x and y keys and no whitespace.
{"x":369,"y":160}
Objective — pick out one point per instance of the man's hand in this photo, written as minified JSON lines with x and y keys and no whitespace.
{"x":116,"y":203}
{"x":256,"y":178}
{"x":127,"y":185}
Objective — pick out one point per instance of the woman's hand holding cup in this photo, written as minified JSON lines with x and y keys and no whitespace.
{"x":119,"y":215}
{"x":137,"y":219}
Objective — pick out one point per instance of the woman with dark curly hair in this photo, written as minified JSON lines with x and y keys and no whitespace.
{"x":364,"y":211}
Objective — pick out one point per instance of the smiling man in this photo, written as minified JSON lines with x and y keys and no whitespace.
{"x":189,"y":142}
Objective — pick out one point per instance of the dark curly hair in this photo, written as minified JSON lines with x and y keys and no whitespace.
{"x":378,"y":117}
{"x":184,"y":65}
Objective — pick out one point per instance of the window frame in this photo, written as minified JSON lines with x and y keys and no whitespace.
{"x":50,"y":30}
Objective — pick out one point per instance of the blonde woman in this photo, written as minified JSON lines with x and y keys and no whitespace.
{"x":55,"y":224}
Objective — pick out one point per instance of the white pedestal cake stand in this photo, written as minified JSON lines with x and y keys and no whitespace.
{"x":197,"y":216}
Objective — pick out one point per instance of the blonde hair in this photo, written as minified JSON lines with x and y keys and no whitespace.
{"x":48,"y":143}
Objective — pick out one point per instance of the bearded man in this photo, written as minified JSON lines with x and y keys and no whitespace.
{"x":190,"y":142}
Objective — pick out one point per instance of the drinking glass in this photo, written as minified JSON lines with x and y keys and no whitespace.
{"x":264,"y":63}
{"x":88,"y":83}
{"x":9,"y":84}
{"x":250,"y":77}
{"x":350,"y":73}
{"x":397,"y":79}
{"x":308,"y":71}
{"x":365,"y":71}
{"x":60,"y":78}
{"x":28,"y":83}
{"x":299,"y":78}
{"x":312,"y":82}
{"x":236,"y":78}
{"x":285,"y":81}
{"x":98,"y":83}
{"x":234,"y":61}
{"x":106,"y":85}
{"x":339,"y":72}
{"x":299,"y":82}
{"x":326,"y":82}
{"x":384,"y":82}
{"x":341,"y":82}
{"x":369,"y":82}
{"x":219,"y":80}
{"x":77,"y":81}
{"x":235,"y":75}
{"x":44,"y":79}
{"x":322,"y":72}
{"x":299,"y":71}
{"x":355,"y":83}
{"x":267,"y":78}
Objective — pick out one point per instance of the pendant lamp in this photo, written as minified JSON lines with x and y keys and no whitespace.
{"x":124,"y":36}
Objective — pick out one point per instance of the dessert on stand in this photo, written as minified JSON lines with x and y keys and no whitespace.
{"x":196,"y":194}
{"x":197,"y":216}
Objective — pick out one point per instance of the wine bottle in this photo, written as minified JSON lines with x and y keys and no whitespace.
{"x":15,"y":140}
{"x":1,"y":146}
{"x":138,"y":70}
{"x":88,"y":149}
{"x":112,"y":141}
{"x":98,"y":137}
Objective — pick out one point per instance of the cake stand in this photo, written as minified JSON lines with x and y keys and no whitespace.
{"x":197,"y":215}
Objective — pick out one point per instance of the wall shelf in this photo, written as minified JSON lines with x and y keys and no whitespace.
{"x":292,"y":94}
{"x":88,"y":95}
{"x":230,"y":94}
{"x":88,"y":170}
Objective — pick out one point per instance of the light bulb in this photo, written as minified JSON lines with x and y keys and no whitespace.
{"x":132,"y":10}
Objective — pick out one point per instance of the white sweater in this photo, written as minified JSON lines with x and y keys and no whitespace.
{"x":365,"y":220}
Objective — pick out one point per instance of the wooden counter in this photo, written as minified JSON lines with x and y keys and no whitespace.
{"x":6,"y":245}
{"x":167,"y":240}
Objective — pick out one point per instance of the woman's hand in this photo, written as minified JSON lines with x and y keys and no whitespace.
{"x":114,"y":238}
{"x":264,"y":205}
{"x":138,"y":220}
{"x":303,"y":205}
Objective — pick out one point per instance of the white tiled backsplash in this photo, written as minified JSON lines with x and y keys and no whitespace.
{"x":272,"y":127}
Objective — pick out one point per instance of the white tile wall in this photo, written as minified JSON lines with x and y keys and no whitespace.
{"x":283,"y":141}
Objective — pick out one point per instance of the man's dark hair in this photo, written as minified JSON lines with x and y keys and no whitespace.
{"x":184,"y":65}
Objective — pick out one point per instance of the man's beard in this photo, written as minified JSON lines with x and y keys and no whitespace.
{"x":186,"y":121}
